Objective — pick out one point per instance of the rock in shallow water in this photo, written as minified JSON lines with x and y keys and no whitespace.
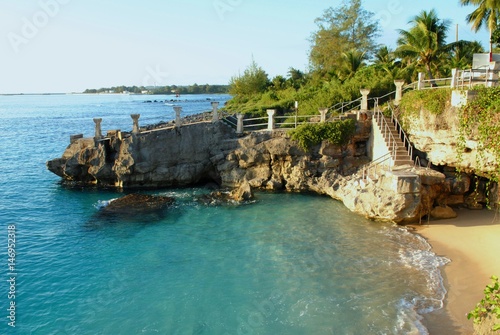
{"x":135,"y":204}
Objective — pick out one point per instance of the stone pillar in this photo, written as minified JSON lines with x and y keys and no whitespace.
{"x":492,"y":74}
{"x":239,"y":126}
{"x":454,"y":78}
{"x":399,"y":91}
{"x":135,"y":119}
{"x":178,"y":121}
{"x":270,"y":120}
{"x":215,"y":115}
{"x":322,"y":112}
{"x":364,"y":100}
{"x":420,"y":83}
{"x":98,"y":131}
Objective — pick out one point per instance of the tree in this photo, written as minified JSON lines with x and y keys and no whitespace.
{"x":462,"y":53}
{"x":347,"y":27}
{"x":253,"y":81}
{"x":487,"y":13}
{"x":295,"y":77}
{"x":353,"y":60}
{"x":425,"y":41}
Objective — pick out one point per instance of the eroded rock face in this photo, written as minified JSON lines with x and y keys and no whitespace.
{"x":259,"y":160}
{"x":437,"y":136}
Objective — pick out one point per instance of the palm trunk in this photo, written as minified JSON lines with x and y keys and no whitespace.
{"x":491,"y":45}
{"x":429,"y":73}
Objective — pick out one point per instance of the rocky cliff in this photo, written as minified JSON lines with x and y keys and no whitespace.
{"x":436,"y":138}
{"x":204,"y":152}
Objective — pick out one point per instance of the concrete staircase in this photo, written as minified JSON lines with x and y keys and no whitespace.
{"x":392,"y":139}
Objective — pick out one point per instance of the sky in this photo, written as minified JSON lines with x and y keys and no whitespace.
{"x":64,"y":46}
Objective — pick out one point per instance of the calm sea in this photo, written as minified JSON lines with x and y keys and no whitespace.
{"x":282,"y":264}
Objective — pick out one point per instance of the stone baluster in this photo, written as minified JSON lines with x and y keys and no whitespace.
{"x":454,"y":78}
{"x":364,"y":99}
{"x":270,"y":120}
{"x":239,"y":126}
{"x":178,"y":120}
{"x":215,"y":115}
{"x":98,"y":130}
{"x":420,"y":83}
{"x":399,"y":91}
{"x":322,"y":112}
{"x":135,"y":120}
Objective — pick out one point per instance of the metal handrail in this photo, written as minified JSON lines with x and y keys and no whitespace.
{"x":365,"y":170}
{"x":402,"y":133}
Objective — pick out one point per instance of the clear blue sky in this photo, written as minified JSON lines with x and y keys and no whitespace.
{"x":71,"y":45}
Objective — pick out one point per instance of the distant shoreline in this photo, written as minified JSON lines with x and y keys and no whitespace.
{"x":81,"y":93}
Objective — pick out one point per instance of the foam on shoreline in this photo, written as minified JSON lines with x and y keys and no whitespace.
{"x":471,"y":243}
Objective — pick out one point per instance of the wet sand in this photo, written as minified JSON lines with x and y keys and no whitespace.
{"x":472,"y":243}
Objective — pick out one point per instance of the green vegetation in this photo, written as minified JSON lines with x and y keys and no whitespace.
{"x":480,"y":119}
{"x":486,"y":14}
{"x":434,"y":101}
{"x":345,"y":29}
{"x":338,"y":133}
{"x":345,"y":58}
{"x":489,"y":306}
{"x":172,"y":89}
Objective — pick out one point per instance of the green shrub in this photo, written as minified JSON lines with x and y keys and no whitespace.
{"x":435,"y":101}
{"x":489,"y":306}
{"x":338,"y":133}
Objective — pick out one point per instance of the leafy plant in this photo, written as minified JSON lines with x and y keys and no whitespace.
{"x":489,"y":305}
{"x":338,"y":133}
{"x":480,"y":120}
{"x":433,"y":101}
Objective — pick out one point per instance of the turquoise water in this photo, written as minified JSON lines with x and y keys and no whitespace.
{"x":282,"y":264}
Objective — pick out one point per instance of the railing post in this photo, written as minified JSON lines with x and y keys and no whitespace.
{"x":270,"y":120}
{"x":98,"y":131}
{"x":454,"y":78}
{"x":322,"y":112}
{"x":135,"y":120}
{"x":420,"y":83}
{"x":239,"y":125}
{"x":215,"y":115}
{"x":364,"y":99}
{"x":178,"y":120}
{"x":399,"y":91}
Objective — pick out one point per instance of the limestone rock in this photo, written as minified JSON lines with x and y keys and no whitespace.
{"x":443,"y":212}
{"x":242,"y":193}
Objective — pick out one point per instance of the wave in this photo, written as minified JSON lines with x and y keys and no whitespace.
{"x":416,"y":254}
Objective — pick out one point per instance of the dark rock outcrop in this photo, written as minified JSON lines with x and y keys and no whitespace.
{"x":136,"y":205}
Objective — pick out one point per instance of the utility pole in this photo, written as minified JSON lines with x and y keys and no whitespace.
{"x":456,"y":34}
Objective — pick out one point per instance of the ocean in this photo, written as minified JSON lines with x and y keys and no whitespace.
{"x":281,"y":264}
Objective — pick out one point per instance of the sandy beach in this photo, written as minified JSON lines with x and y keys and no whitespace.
{"x":472,"y":243}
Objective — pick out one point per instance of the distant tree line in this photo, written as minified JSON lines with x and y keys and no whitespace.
{"x":172,"y":89}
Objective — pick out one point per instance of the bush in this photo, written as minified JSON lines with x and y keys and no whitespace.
{"x":338,"y":133}
{"x":434,"y":101}
{"x":489,"y":306}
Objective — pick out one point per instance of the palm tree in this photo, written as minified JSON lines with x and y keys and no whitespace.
{"x":352,"y":61}
{"x":425,"y":41}
{"x":487,"y":13}
{"x":462,"y":53}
